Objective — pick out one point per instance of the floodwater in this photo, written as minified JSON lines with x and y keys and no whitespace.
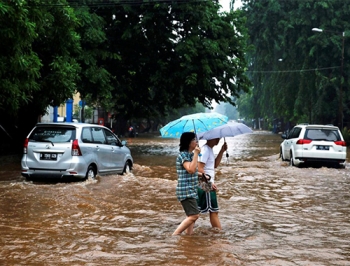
{"x":271,"y":213}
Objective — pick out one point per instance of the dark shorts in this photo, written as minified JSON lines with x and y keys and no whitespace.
{"x":190,"y":206}
{"x":207,"y":201}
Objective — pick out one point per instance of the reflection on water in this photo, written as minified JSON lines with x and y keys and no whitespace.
{"x":272,"y":214}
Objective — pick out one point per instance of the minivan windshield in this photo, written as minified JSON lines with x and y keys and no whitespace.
{"x":53,"y":134}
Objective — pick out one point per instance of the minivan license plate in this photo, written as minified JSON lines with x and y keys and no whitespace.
{"x":321,"y":147}
{"x":48,"y":156}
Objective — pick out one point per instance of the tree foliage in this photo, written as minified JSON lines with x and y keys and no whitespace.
{"x":295,"y":71}
{"x":173,"y":54}
{"x":19,"y":64}
{"x":94,"y":82}
{"x":134,"y":59}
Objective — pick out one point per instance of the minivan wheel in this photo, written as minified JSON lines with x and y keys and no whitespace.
{"x":91,"y":173}
{"x":127,"y":168}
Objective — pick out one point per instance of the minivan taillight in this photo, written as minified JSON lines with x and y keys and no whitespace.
{"x":25,"y":146}
{"x":340,"y":143}
{"x":304,"y":141}
{"x":75,"y":148}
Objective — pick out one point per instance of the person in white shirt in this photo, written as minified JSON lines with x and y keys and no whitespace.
{"x":207,"y":201}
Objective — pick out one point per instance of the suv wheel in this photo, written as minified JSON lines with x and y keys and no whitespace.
{"x":291,"y":161}
{"x":91,"y":173}
{"x":340,"y":166}
{"x":281,"y":155}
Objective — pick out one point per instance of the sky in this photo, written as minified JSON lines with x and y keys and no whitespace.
{"x":226,"y":4}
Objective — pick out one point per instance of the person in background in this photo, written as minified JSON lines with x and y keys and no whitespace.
{"x":207,"y":201}
{"x":187,"y":182}
{"x":131,"y":132}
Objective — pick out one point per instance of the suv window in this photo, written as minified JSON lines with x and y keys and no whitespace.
{"x":53,"y":134}
{"x":322,"y":134}
{"x":295,"y":133}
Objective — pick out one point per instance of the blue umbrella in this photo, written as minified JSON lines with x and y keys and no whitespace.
{"x":197,"y":123}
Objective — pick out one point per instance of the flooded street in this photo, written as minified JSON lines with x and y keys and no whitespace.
{"x":271,"y":213}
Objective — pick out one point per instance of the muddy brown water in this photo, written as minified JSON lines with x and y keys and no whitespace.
{"x":271,"y":213}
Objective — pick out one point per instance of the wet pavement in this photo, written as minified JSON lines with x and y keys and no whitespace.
{"x":271,"y":213}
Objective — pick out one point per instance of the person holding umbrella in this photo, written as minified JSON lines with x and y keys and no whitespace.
{"x":186,"y":190}
{"x":207,"y":201}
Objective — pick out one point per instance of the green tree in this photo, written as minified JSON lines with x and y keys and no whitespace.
{"x":95,"y":82}
{"x":19,"y":65}
{"x":174,"y":54}
{"x":38,"y":66}
{"x":304,"y":85}
{"x":136,"y":59}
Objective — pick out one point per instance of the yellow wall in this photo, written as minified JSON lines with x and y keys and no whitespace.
{"x":62,"y":108}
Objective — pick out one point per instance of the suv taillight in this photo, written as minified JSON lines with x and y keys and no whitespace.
{"x":304,"y":141}
{"x":25,"y":146}
{"x":340,"y":143}
{"x":75,"y":148}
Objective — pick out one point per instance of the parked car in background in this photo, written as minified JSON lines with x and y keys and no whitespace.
{"x":314,"y":143}
{"x":79,"y":150}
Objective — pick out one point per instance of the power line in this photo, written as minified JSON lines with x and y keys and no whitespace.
{"x":108,"y":3}
{"x":291,"y":71}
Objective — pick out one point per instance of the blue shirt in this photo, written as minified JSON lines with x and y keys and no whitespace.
{"x":186,"y":183}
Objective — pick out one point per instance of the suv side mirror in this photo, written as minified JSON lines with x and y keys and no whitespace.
{"x":284,"y":136}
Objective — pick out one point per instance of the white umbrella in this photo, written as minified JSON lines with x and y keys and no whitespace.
{"x":230,"y":129}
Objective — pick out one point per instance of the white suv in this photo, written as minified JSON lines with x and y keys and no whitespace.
{"x":314,"y":143}
{"x":57,"y":150}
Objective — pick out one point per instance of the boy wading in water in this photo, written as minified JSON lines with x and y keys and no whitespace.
{"x":207,"y":200}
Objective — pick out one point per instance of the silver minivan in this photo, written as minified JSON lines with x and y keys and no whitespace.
{"x":79,"y":150}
